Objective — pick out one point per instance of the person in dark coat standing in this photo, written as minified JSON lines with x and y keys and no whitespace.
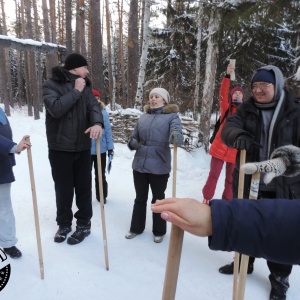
{"x":8,"y":149}
{"x":268,"y":120}
{"x":73,"y":117}
{"x":159,"y":126}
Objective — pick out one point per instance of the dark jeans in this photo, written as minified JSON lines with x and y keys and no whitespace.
{"x":158,"y":185}
{"x":104,"y":182}
{"x":71,"y":171}
{"x":275,"y":268}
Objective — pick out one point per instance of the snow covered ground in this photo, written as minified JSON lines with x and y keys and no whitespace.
{"x":136,"y":267}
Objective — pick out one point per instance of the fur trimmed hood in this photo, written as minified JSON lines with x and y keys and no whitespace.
{"x":166,"y":109}
{"x":61,"y":75}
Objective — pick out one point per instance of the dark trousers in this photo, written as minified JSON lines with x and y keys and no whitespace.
{"x":158,"y":185}
{"x":275,"y":268}
{"x":71,"y":171}
{"x":104,"y":182}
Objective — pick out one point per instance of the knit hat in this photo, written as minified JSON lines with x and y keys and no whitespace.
{"x":161,"y":92}
{"x":74,"y":61}
{"x":264,"y":76}
{"x":96,"y":93}
{"x":235,"y":89}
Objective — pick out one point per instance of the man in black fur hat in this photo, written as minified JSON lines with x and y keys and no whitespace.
{"x":73,"y":117}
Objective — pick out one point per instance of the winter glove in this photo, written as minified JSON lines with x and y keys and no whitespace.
{"x":284,"y":161}
{"x":110,"y":152}
{"x":245,"y":142}
{"x":133,"y":144}
{"x":176,"y":137}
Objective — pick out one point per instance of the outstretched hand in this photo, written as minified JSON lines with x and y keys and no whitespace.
{"x":186,"y":213}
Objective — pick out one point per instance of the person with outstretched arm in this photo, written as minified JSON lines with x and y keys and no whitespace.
{"x":255,"y":228}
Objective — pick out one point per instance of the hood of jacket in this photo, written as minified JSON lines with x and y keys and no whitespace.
{"x":279,"y":80}
{"x":166,"y":109}
{"x":61,"y":75}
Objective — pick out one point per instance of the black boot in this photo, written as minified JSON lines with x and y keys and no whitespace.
{"x":79,"y":235}
{"x":61,"y":234}
{"x":228,"y":269}
{"x":279,"y":286}
{"x":13,"y":252}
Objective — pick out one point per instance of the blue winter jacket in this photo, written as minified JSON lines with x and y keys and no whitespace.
{"x":268,"y":228}
{"x":152,"y":131}
{"x":106,"y":140}
{"x":7,"y":159}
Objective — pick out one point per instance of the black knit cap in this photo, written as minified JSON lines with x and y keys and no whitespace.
{"x":74,"y":61}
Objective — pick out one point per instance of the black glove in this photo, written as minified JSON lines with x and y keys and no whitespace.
{"x":133,"y":144}
{"x":176,"y":137}
{"x":245,"y":142}
{"x":110,"y":152}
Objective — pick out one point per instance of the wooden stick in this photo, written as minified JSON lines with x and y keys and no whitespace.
{"x":35,"y":210}
{"x":102,"y":202}
{"x":245,"y":259}
{"x":175,"y":247}
{"x":240,"y":196}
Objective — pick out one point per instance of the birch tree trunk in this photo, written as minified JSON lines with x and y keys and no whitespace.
{"x":210,"y":75}
{"x":143,"y":63}
{"x":198,"y":61}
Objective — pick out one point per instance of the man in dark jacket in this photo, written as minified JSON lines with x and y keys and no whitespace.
{"x":73,"y":116}
{"x":269,"y":119}
{"x":8,"y":149}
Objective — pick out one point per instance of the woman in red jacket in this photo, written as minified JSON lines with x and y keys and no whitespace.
{"x":219,"y":152}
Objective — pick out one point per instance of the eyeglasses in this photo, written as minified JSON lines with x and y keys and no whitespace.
{"x":262,"y":86}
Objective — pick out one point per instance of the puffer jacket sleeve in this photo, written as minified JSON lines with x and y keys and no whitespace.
{"x":5,"y":145}
{"x":108,"y":131}
{"x":267,"y":228}
{"x":175,"y":123}
{"x":233,"y":127}
{"x":58,"y":103}
{"x":223,"y":96}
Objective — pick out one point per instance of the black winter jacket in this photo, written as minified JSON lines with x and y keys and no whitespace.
{"x":247,"y":120}
{"x":68,"y":112}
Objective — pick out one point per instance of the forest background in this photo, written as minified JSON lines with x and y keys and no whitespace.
{"x":135,"y":45}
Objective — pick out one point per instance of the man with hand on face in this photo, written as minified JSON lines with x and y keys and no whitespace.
{"x":73,"y":117}
{"x":268,"y":120}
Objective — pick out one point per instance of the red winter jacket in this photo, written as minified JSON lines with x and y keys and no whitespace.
{"x":218,"y":149}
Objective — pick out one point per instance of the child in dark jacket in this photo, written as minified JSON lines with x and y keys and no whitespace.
{"x":8,"y":148}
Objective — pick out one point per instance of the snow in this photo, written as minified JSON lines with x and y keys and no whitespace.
{"x":136,"y":267}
